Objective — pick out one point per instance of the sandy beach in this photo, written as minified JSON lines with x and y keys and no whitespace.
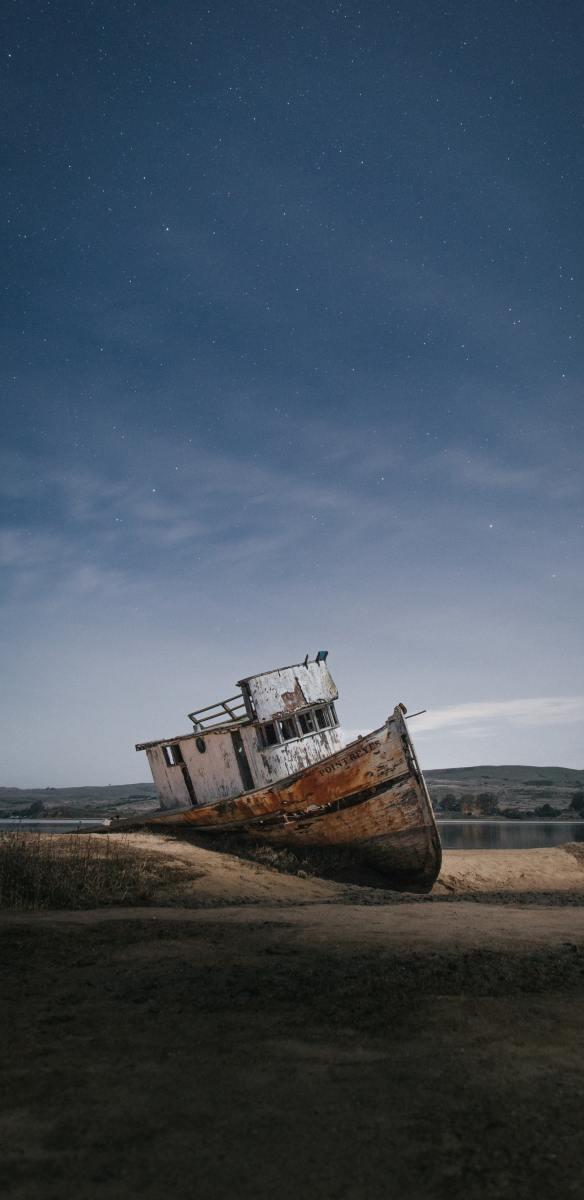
{"x":255,"y":1033}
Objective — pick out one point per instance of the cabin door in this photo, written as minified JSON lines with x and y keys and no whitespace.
{"x":242,"y":761}
{"x":178,"y":760}
{"x":189,"y":784}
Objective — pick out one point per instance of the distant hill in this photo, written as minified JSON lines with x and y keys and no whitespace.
{"x":129,"y":798}
{"x":516,"y":790}
{"x":514,"y":774}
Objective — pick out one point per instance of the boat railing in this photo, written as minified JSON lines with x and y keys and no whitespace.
{"x":232,"y":709}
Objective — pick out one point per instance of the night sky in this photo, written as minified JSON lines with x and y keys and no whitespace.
{"x":292,"y":359}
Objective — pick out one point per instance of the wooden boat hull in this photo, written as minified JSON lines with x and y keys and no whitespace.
{"x":369,"y":796}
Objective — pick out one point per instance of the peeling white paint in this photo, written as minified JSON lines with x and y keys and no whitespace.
{"x":276,"y":693}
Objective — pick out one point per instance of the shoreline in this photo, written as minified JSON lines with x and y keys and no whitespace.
{"x":188,"y":871}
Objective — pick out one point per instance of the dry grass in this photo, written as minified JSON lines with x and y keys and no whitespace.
{"x":577,"y":850}
{"x":74,"y":871}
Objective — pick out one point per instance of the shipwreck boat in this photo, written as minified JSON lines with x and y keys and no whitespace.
{"x":270,"y":764}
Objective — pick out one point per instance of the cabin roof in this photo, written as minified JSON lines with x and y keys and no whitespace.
{"x":184,"y":737}
{"x":274,"y":671}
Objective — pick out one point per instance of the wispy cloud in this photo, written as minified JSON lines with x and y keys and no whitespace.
{"x":482,"y":715}
{"x":19,"y":548}
{"x":188,"y":502}
{"x":485,"y":471}
{"x":494,"y":474}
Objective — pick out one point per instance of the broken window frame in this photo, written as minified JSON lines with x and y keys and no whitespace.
{"x":328,"y":720}
{"x":291,"y":722}
{"x":173,"y":755}
{"x":306,"y":717}
{"x":267,"y":743}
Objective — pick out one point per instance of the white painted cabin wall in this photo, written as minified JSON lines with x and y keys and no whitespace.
{"x":215,"y":774}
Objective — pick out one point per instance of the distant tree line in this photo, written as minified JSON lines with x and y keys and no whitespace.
{"x":484,"y":804}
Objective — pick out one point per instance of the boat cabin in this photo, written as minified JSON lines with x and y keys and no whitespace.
{"x":277,"y":723}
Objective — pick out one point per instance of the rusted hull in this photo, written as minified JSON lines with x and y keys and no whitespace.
{"x":370,"y":796}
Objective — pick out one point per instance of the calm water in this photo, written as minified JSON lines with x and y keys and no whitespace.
{"x":508,"y":835}
{"x":454,"y":835}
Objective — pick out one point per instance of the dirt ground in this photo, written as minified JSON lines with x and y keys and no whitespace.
{"x":277,"y":1036}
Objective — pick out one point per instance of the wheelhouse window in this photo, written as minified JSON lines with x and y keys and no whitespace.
{"x":311,"y":720}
